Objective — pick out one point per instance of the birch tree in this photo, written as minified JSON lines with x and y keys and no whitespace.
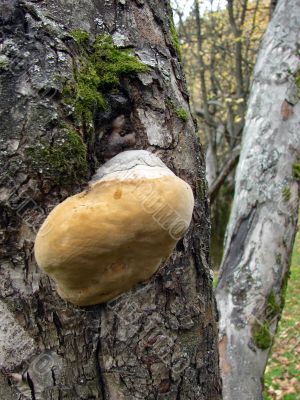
{"x":220,"y":46}
{"x":80,"y":82}
{"x":263,"y":222}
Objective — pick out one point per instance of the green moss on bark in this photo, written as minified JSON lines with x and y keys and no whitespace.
{"x":64,"y":160}
{"x":81,"y":37}
{"x":296,"y":170}
{"x":273,"y":307}
{"x":182,"y":114}
{"x":297,"y":78}
{"x":262,"y":336}
{"x":101,"y":67}
{"x":286,"y":193}
{"x":179,"y":111}
{"x":175,"y":37}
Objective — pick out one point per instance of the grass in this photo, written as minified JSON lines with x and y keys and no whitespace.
{"x":282,"y":377}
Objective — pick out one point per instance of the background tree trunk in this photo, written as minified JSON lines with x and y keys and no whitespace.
{"x":158,"y":341}
{"x":263,"y":222}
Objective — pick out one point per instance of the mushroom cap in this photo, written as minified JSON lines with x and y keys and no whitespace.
{"x":103,"y":241}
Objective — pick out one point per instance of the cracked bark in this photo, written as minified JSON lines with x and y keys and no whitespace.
{"x":263,"y":222}
{"x":158,"y":341}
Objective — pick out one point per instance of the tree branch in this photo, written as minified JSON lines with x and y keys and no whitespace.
{"x":225,"y":171}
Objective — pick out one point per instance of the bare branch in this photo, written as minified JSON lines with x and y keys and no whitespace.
{"x":225,"y":171}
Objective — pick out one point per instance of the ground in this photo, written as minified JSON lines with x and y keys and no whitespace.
{"x":282,"y":378}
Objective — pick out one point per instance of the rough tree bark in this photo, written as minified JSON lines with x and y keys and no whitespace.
{"x":263,"y":222}
{"x":159,"y":341}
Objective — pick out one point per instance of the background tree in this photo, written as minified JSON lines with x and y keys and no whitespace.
{"x":263,"y":221}
{"x":220,"y":44}
{"x":70,"y":100}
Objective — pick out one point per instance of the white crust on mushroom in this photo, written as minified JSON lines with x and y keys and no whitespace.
{"x":132,"y":164}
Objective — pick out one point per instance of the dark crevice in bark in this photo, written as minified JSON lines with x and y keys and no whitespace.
{"x":273,"y":4}
{"x":31,"y":386}
{"x":59,"y":327}
{"x":235,"y":252}
{"x":53,"y":377}
{"x":100,"y":375}
{"x":179,"y":388}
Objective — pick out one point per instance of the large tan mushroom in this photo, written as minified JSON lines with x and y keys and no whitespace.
{"x":103,"y":241}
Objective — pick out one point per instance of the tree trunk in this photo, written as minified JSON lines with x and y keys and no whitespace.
{"x":159,"y":340}
{"x":211,"y":161}
{"x":263,"y":222}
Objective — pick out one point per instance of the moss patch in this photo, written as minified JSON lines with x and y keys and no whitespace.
{"x":286,"y":193}
{"x":175,"y":37}
{"x":297,"y":78}
{"x":101,"y":67}
{"x":273,"y":307}
{"x":81,"y":37}
{"x":261,"y":335}
{"x":182,"y":114}
{"x":296,"y":170}
{"x":64,"y":160}
{"x":261,"y":332}
{"x":179,"y":111}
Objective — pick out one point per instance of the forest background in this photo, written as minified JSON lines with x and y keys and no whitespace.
{"x":218,"y":42}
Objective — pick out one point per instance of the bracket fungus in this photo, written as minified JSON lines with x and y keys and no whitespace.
{"x":99,"y":243}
